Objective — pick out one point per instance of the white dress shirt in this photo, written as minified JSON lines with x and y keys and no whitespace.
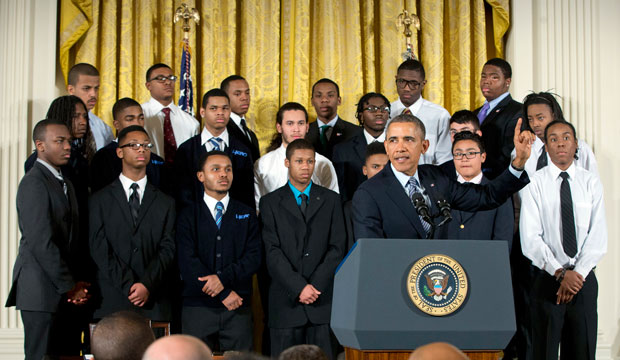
{"x":127,"y":182}
{"x":541,"y":224}
{"x":436,"y":120}
{"x":101,"y":131}
{"x":270,"y":173}
{"x":370,"y":139}
{"x":212,"y":203}
{"x":206,"y":135}
{"x":475,"y":180}
{"x":183,"y":124}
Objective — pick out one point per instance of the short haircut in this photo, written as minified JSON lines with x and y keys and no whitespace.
{"x":81,"y":69}
{"x":123,"y":104}
{"x":327,"y":81}
{"x":467,"y":135}
{"x":123,"y":335}
{"x":364,"y":100}
{"x":556,"y":122}
{"x":299,"y":144}
{"x":40,"y":129}
{"x":465,"y":117}
{"x":414,"y":65}
{"x":408,"y":118}
{"x":129,"y":129}
{"x":276,"y":140}
{"x":545,"y":98}
{"x":155,"y":67}
{"x":203,"y":159}
{"x":375,"y":148}
{"x":503,"y":65}
{"x":215,"y":92}
{"x":226,"y":82}
{"x":303,"y":352}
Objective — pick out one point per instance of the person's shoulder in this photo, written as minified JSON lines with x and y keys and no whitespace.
{"x":433,"y":106}
{"x":189,"y":143}
{"x":102,"y":195}
{"x":276,"y":195}
{"x":324,"y":192}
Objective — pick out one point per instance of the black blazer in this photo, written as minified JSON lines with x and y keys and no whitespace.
{"x":342,"y":131}
{"x":234,"y":130}
{"x":199,"y":242}
{"x":125,"y":255}
{"x":382,"y":209}
{"x":48,"y":262}
{"x":301,"y":251}
{"x":498,"y":130}
{"x":348,"y":158}
{"x":189,"y":190}
{"x":106,"y":166}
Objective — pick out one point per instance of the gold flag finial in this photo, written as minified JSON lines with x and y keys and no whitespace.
{"x":406,"y":20}
{"x":184,"y":12}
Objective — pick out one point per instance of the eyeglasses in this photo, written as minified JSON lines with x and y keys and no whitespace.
{"x":374,"y":109}
{"x":402,"y":83}
{"x":162,"y":79}
{"x":469,"y":155}
{"x":137,"y":146}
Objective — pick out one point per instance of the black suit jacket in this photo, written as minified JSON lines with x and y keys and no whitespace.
{"x":348,"y":158}
{"x":125,"y":255}
{"x":234,"y":130}
{"x":237,"y":242}
{"x":382,"y":209}
{"x":301,"y":251}
{"x":49,"y":260}
{"x":106,"y":166}
{"x":342,"y":131}
{"x":498,"y":130}
{"x":189,"y":190}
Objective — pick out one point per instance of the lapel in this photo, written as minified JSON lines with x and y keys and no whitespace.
{"x":235,"y":131}
{"x":337,"y":132}
{"x":75,"y":215}
{"x":150,"y":195}
{"x":205,"y":221}
{"x":360,"y":147}
{"x":497,"y":110}
{"x":397,"y":194}
{"x":315,"y":201}
{"x":289,"y":203}
{"x":117,"y":191}
{"x":54,"y":183}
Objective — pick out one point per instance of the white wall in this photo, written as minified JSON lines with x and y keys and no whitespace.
{"x":571,"y":47}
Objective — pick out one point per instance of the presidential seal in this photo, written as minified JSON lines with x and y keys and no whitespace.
{"x":437,"y":284}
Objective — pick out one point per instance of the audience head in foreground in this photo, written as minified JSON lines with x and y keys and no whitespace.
{"x":303,"y":352}
{"x":122,"y":335}
{"x":178,"y":347}
{"x":437,"y":351}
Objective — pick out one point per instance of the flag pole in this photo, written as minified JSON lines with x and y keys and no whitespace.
{"x":186,"y":98}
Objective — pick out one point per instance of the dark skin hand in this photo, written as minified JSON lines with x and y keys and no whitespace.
{"x":79,"y":294}
{"x":569,"y":287}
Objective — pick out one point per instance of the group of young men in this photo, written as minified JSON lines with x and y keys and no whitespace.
{"x":183,"y":218}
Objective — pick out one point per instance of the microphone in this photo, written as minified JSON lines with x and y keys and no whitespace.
{"x":421,"y":207}
{"x":444,"y":210}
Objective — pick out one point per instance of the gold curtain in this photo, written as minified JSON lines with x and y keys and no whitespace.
{"x":283,"y":46}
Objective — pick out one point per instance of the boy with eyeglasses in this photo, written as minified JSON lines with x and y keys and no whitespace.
{"x":373,"y":111}
{"x":131,"y":233}
{"x":167,"y":125}
{"x":410,"y":81}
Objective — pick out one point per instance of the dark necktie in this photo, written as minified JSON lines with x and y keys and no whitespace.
{"x":323,"y":136}
{"x":569,"y":239}
{"x":170,"y":143}
{"x":414,"y":187}
{"x":542,"y":160}
{"x":219,"y":212}
{"x":482,"y":114}
{"x":63,"y":185}
{"x":134,"y":202}
{"x":244,"y":128}
{"x":304,"y":204}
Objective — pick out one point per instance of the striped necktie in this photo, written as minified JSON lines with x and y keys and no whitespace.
{"x":216,"y":141}
{"x":219,"y":212}
{"x":414,"y":187}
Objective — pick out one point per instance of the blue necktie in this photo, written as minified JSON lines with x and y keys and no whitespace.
{"x":483,"y":112}
{"x":215,"y":141}
{"x":219,"y":212}
{"x":414,"y":187}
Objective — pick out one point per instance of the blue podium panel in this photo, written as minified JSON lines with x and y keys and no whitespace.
{"x":372,"y":308}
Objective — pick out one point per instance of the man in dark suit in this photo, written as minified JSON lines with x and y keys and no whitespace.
{"x":498,"y":115}
{"x":383,"y":206}
{"x":495,"y":224}
{"x":373,"y":112}
{"x":328,"y":129}
{"x":215,"y":111}
{"x":219,"y":249}
{"x":132,"y":236}
{"x":106,"y":166}
{"x":46,"y":286}
{"x":238,"y":91}
{"x":304,"y":235}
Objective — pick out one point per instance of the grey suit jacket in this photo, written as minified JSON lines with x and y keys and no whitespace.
{"x":47,"y":264}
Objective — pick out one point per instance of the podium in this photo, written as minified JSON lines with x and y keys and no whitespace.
{"x":373,"y":312}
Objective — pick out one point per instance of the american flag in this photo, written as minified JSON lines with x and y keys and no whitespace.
{"x":186,"y":98}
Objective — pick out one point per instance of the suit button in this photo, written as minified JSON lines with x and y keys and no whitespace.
{"x":306,"y":254}
{"x":218,"y":255}
{"x":462,"y":226}
{"x":135,"y":250}
{"x":218,"y":237}
{"x":218,"y":272}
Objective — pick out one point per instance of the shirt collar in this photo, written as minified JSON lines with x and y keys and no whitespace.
{"x":555,"y":171}
{"x":157,"y":106}
{"x":415,"y":107}
{"x":212,"y":202}
{"x":404,"y":178}
{"x":331,"y":123}
{"x":206,"y":135}
{"x":297,"y":192}
{"x":236,"y":119}
{"x":126,"y":182}
{"x":476,"y":180}
{"x":493,"y":103}
{"x":370,"y":138}
{"x":52,"y":169}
